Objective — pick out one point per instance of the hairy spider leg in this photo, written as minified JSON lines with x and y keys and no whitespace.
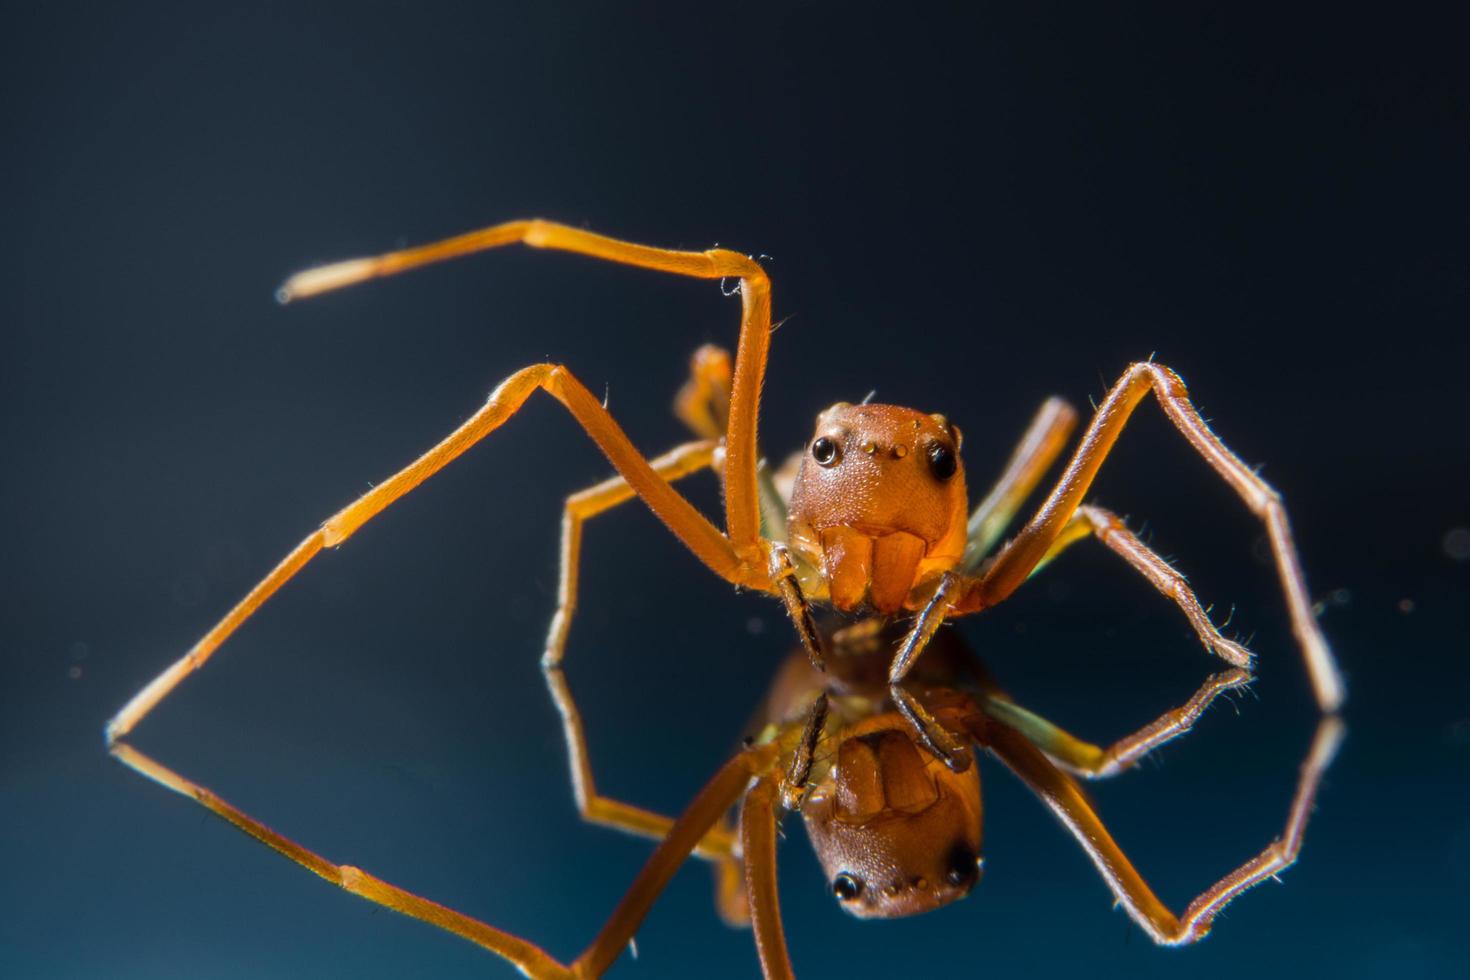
{"x":1063,"y":519}
{"x":717,"y":796}
{"x":1095,"y":762}
{"x":1107,"y":527}
{"x":1017,"y":560}
{"x":1065,"y":799}
{"x":690,"y":526}
{"x":742,"y":514}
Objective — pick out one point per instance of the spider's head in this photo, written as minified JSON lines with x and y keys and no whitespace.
{"x":879,"y":503}
{"x":897,"y":832}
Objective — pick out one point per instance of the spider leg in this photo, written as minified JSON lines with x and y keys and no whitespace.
{"x":703,"y":403}
{"x":1021,"y":556}
{"x":691,"y":527}
{"x":741,"y":504}
{"x":1065,"y":799}
{"x":580,"y":507}
{"x":1095,"y":762}
{"x":758,"y":818}
{"x":1044,"y":438}
{"x":718,"y":795}
{"x":788,"y":584}
{"x":1108,"y":528}
{"x":1039,"y":447}
{"x":932,"y":735}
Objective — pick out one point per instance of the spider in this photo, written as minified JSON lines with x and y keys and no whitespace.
{"x":871,"y":523}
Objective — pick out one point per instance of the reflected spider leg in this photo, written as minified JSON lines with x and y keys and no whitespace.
{"x":703,"y":405}
{"x":717,"y":796}
{"x":1095,"y":762}
{"x":766,"y":800}
{"x":1065,"y":799}
{"x":758,"y":820}
{"x":594,"y":807}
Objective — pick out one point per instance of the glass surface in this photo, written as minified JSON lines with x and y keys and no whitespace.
{"x":965,"y":212}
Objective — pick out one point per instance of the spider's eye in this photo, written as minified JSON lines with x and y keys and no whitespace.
{"x":847,"y":887}
{"x":824,"y":451}
{"x":941,"y":460}
{"x":961,"y":870}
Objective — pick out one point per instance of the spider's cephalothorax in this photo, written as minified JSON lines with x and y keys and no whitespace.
{"x":896,"y":833}
{"x":879,"y":504}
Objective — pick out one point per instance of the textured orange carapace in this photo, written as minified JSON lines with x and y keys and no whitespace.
{"x":896,"y":832}
{"x":879,"y":504}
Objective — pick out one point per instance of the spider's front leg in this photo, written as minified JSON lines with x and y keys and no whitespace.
{"x":742,"y":509}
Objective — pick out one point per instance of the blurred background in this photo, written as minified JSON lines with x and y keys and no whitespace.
{"x":966,"y":209}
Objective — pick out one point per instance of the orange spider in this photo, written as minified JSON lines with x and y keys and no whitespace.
{"x":874,"y":525}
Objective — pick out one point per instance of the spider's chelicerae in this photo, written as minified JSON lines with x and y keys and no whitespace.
{"x":869,"y":736}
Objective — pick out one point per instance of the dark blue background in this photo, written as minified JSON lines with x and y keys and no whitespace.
{"x":966,"y":210}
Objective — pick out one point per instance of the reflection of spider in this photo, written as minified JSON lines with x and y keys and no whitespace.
{"x":874,"y":524}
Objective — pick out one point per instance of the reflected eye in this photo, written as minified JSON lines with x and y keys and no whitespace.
{"x":962,"y":871}
{"x":847,"y":887}
{"x":824,"y":451}
{"x":941,"y":460}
